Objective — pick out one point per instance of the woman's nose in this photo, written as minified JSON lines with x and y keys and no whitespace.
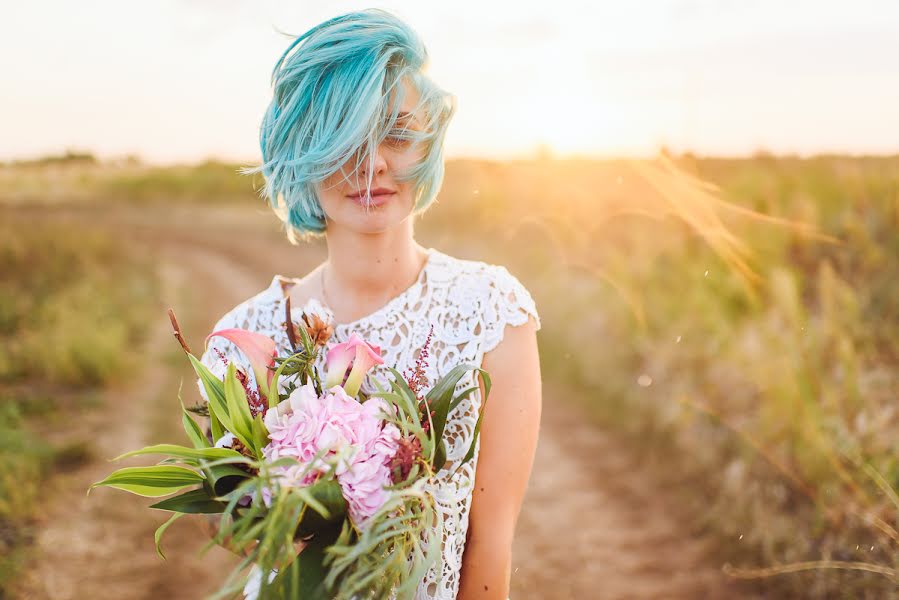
{"x":379,"y":164}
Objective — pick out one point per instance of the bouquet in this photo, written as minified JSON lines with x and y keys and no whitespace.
{"x":323,"y":487}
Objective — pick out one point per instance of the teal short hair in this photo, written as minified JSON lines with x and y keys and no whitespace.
{"x":331,"y":91}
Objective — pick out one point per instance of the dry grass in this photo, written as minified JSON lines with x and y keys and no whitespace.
{"x":72,"y":305}
{"x":749,"y":327}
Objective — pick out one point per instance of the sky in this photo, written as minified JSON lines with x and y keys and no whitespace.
{"x":187,"y":80}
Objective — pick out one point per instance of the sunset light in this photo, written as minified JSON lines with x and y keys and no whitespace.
{"x":177,"y":80}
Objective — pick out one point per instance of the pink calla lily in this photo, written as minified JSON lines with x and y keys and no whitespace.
{"x":259,"y":349}
{"x":357,"y":351}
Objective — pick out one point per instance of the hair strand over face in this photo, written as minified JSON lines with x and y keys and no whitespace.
{"x":336,"y":95}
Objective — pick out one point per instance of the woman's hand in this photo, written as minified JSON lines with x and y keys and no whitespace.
{"x":505,"y":458}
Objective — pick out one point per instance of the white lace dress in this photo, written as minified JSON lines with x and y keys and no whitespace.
{"x":469,"y":303}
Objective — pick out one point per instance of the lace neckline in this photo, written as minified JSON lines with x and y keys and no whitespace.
{"x":276,"y":288}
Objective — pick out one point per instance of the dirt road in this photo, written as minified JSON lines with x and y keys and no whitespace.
{"x":594,"y":524}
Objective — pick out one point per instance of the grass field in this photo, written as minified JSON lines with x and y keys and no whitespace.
{"x":750,"y":327}
{"x":72,"y":307}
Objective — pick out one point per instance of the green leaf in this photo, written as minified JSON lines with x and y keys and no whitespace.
{"x":218,"y":430}
{"x":440,"y":397}
{"x":215,"y":391}
{"x":193,"y":431}
{"x":161,"y":530}
{"x":273,"y":398}
{"x":462,"y":396}
{"x":325,"y":495}
{"x":260,"y":434}
{"x":221,"y":479}
{"x":184,"y":452}
{"x":399,"y":385}
{"x":305,"y":576}
{"x":155,"y":481}
{"x":194,"y":502}
{"x":440,"y":455}
{"x":477,"y":427}
{"x":239,"y":410}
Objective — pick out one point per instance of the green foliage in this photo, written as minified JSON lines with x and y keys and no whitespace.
{"x":338,"y":559}
{"x":73,"y":304}
{"x":196,"y":501}
{"x":75,"y":292}
{"x":24,"y":461}
{"x":155,"y":481}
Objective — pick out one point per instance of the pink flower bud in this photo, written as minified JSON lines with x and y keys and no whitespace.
{"x":357,"y":351}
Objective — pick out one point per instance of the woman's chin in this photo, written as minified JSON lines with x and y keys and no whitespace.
{"x":376,"y":221}
{"x":352,"y":215}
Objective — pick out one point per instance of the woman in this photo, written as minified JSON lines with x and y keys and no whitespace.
{"x":352,"y":150}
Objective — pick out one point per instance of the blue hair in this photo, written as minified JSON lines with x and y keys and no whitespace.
{"x":331,"y":91}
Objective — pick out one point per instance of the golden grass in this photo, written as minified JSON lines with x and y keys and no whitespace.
{"x":740,"y":314}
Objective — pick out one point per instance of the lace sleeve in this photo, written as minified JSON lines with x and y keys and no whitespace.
{"x":510,"y":304}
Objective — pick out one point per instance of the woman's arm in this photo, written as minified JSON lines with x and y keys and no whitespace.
{"x":506,"y":455}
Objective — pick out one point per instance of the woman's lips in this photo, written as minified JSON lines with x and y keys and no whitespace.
{"x":376,"y":199}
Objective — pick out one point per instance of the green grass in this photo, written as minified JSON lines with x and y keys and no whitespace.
{"x":72,"y":307}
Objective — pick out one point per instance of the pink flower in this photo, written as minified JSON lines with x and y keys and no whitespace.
{"x":293,"y":426}
{"x":363,"y":483}
{"x":357,"y":351}
{"x":259,"y":349}
{"x":351,"y":436}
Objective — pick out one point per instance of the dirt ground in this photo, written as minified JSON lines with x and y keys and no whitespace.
{"x":594,"y":524}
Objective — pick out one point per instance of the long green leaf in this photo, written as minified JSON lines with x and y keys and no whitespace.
{"x":327,"y":495}
{"x":260,"y":434}
{"x":399,"y":385}
{"x":192,"y":429}
{"x":273,"y":397}
{"x":440,"y":397}
{"x":477,"y":427}
{"x":216,"y":427}
{"x":239,"y":410}
{"x":184,"y":452}
{"x":155,"y":481}
{"x":194,"y":502}
{"x":305,"y":576}
{"x":215,"y":391}
{"x":161,"y":530}
{"x":439,"y":454}
{"x":462,"y":396}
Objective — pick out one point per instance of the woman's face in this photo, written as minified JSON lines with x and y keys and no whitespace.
{"x":343,"y":196}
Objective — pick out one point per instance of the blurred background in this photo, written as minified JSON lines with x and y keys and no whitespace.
{"x":703,"y":198}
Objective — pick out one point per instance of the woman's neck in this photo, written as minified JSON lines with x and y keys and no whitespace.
{"x":364,"y":272}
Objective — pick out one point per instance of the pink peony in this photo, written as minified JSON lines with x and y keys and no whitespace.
{"x":363,"y":483}
{"x":350,"y":435}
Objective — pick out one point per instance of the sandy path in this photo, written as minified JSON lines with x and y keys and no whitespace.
{"x":101,"y":546}
{"x":594,"y":524}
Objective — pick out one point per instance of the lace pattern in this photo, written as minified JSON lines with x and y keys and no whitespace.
{"x":469,"y":303}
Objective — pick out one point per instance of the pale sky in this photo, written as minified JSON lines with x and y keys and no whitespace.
{"x":185,"y":80}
